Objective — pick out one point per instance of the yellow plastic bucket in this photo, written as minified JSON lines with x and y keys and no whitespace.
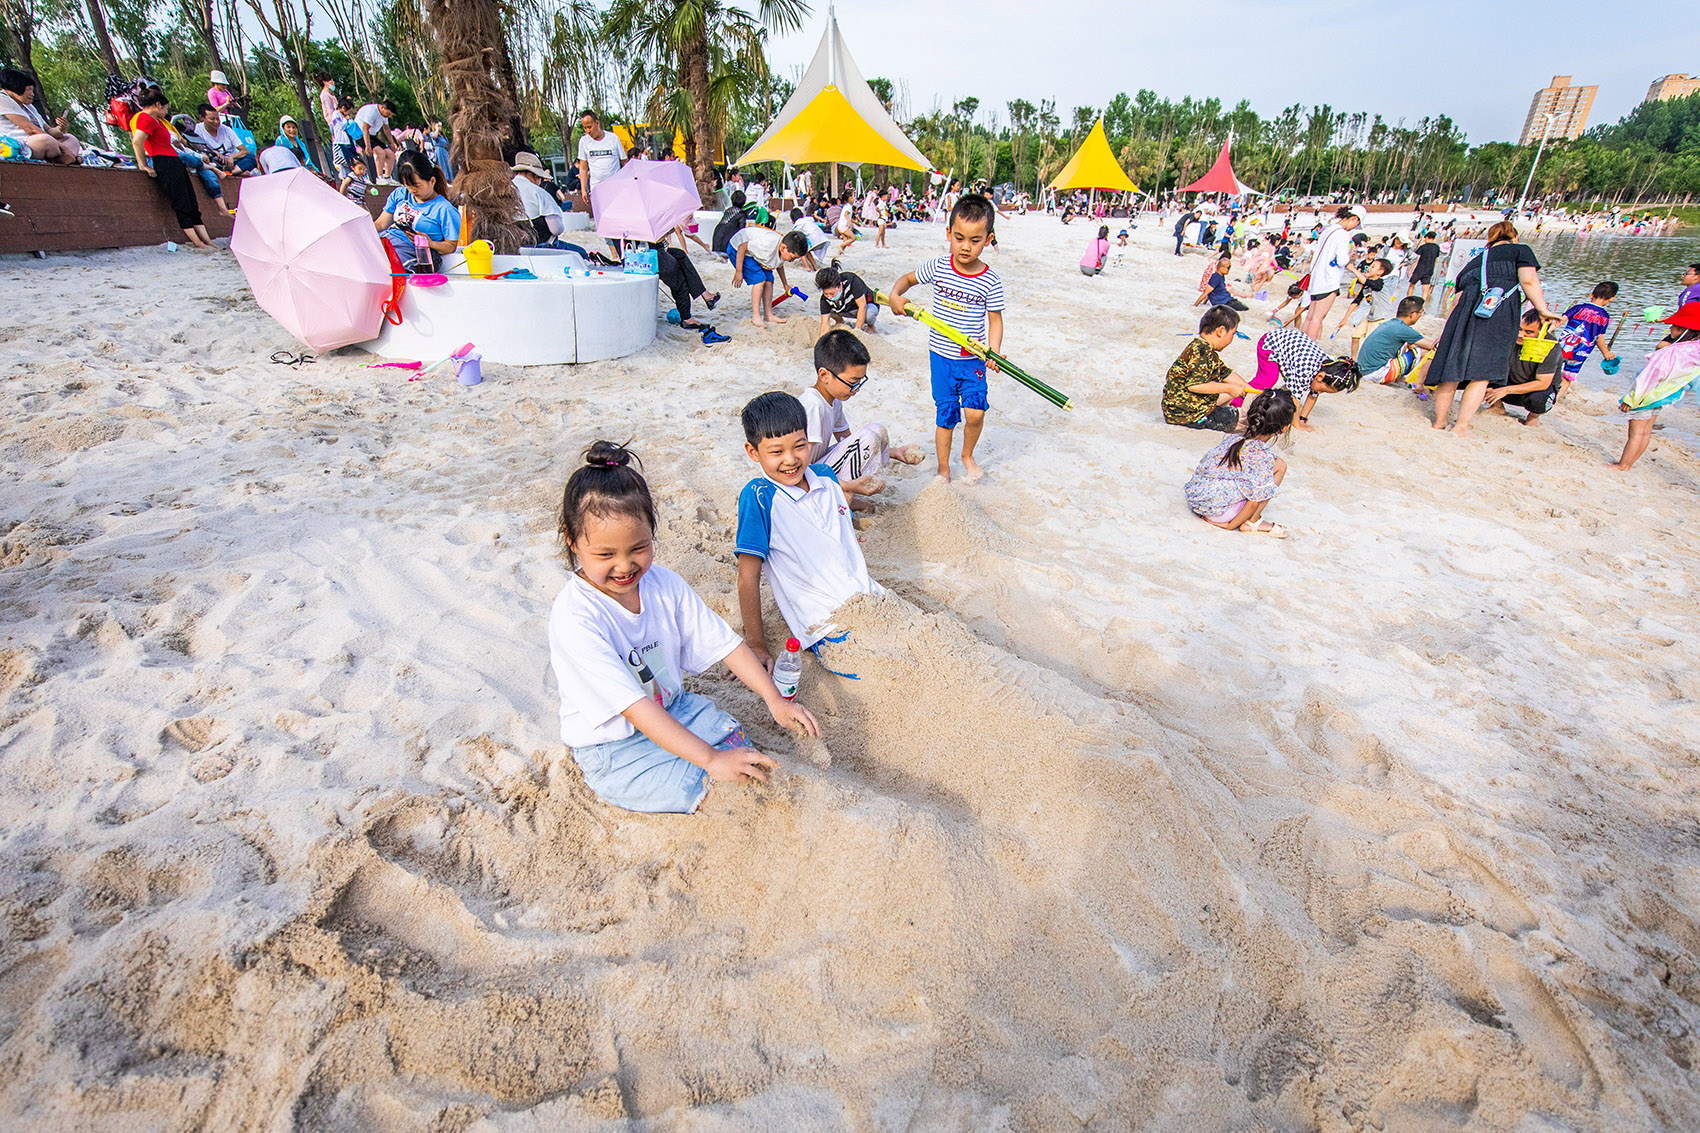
{"x":479,"y":255}
{"x":1535,"y":349}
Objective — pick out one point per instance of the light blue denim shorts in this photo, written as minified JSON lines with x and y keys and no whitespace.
{"x":636,"y":774}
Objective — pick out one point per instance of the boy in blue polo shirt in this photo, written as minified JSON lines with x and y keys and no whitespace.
{"x":794,"y":525}
{"x":968,"y":296}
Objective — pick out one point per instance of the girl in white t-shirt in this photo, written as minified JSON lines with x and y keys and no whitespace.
{"x":622,"y":634}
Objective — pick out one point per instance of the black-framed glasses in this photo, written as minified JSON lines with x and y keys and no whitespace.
{"x":852,"y":386}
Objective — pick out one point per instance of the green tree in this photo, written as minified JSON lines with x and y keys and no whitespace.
{"x":684,"y":35}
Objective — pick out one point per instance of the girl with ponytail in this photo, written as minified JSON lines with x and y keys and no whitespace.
{"x":622,"y":634}
{"x":1236,"y":480}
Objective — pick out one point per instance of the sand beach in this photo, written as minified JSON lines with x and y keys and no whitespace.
{"x":1126,"y":823}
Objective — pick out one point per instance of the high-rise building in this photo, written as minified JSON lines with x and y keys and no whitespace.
{"x":1568,"y":106}
{"x":1672,"y":86}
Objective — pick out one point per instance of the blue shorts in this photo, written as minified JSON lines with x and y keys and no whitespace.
{"x":958,"y":384}
{"x":636,"y":774}
{"x":754,"y":273}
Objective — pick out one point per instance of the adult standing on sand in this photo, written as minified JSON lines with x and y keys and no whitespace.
{"x":600,"y":154}
{"x":1475,"y":350}
{"x":1333,"y":259}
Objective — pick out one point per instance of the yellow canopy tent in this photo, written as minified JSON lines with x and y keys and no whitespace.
{"x":1093,"y":166}
{"x":834,"y":116}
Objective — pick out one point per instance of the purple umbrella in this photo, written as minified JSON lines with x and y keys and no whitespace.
{"x":645,"y":200}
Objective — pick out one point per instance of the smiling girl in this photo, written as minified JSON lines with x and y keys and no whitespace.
{"x":622,"y":634}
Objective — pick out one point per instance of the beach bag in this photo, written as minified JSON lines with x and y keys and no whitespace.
{"x":641,"y":261}
{"x":1492,"y":297}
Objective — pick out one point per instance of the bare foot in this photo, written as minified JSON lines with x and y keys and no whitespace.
{"x":762,"y":323}
{"x":1461,"y":430}
{"x":971,"y":471}
{"x":1304,"y":428}
{"x":775,"y":319}
{"x":944,"y":474}
{"x":908,"y":454}
{"x":1618,"y":467}
{"x":1441,"y":425}
{"x":1532,"y":419}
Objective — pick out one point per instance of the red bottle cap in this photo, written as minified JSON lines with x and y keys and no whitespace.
{"x":792,"y":645}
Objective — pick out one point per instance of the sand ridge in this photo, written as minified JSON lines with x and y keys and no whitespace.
{"x":1126,"y":823}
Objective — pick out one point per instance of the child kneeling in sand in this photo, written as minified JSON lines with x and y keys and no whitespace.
{"x":793,"y":525}
{"x":1200,"y":386}
{"x":622,"y":633}
{"x":1236,"y":480}
{"x":841,"y":368}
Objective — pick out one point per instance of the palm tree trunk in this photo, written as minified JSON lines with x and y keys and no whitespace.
{"x":696,"y":82}
{"x":468,"y":34}
{"x":103,"y":38}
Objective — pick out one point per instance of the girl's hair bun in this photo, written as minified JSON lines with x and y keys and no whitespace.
{"x":607,"y":454}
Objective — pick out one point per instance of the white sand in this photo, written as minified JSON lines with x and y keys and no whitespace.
{"x":1128,"y":823}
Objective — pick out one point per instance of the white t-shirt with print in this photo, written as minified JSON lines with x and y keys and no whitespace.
{"x":9,"y":128}
{"x":599,"y":650}
{"x":826,"y":421}
{"x":603,"y":157}
{"x":225,"y":141}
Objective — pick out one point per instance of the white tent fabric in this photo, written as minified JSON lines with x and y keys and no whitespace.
{"x":832,"y":66}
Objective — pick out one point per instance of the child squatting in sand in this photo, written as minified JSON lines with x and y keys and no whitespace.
{"x":794,"y":526}
{"x":968,"y":296}
{"x":622,"y":633}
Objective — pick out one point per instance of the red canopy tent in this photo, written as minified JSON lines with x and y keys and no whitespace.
{"x":1220,"y":178}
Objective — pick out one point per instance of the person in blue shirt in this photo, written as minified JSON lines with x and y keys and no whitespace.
{"x":289,"y":137}
{"x":418,"y":218}
{"x":1584,"y":324}
{"x":1216,"y":287}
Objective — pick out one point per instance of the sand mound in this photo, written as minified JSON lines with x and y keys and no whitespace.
{"x":1123,"y":823}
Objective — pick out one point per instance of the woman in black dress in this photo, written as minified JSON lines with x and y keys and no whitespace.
{"x":1474,"y":352}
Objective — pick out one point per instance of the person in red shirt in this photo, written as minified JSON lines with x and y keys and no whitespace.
{"x":150,"y":140}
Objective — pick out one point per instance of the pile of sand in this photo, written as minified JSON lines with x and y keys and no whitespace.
{"x":1125,"y":822}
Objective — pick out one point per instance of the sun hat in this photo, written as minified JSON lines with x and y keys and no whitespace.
{"x":1687,"y":316}
{"x":526,"y":162}
{"x":218,"y":77}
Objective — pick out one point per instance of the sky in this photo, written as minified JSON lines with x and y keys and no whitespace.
{"x":1479,"y":62}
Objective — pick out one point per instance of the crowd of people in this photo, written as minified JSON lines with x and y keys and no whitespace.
{"x":1502,"y":345}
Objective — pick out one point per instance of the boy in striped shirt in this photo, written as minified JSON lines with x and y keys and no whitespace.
{"x":967,"y":295}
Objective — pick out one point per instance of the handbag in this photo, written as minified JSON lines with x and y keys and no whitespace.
{"x":1492,"y":297}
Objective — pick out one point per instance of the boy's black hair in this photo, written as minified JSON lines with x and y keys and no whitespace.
{"x":203,"y":110}
{"x":796,"y":243}
{"x":773,"y":415}
{"x":1294,"y":290}
{"x":604,"y":485}
{"x":387,"y":105}
{"x":972,"y":208}
{"x":1219,"y":317}
{"x":738,"y":198}
{"x":1606,"y":290}
{"x":796,"y":214}
{"x":1386,"y":265}
{"x":587,"y":112}
{"x":837,"y":350}
{"x":1531,"y":316}
{"x":1409,"y":305}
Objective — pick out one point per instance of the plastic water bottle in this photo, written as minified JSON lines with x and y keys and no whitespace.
{"x":788,"y":668}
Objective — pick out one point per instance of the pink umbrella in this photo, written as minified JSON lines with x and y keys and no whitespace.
{"x":312,"y":258}
{"x":645,"y":200}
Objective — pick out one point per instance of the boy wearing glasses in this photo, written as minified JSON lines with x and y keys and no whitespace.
{"x":841,"y":368}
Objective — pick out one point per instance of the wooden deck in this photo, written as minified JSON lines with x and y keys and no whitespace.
{"x":74,"y":208}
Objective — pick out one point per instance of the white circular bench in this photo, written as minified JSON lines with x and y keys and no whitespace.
{"x":546,"y":321}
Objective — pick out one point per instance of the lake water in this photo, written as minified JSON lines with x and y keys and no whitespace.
{"x":1647,"y":271}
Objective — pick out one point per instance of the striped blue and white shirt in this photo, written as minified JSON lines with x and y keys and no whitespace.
{"x":960,"y":301}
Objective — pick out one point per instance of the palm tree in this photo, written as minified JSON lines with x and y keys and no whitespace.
{"x":469,"y":34}
{"x":683,"y":39}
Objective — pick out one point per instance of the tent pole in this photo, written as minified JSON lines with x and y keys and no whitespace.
{"x":835,"y":181}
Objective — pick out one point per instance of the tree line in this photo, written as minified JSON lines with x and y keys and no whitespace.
{"x":700,"y":69}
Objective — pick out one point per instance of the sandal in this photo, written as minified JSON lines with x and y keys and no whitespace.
{"x":696,"y":326}
{"x":1266,"y":527}
{"x":711,"y":303}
